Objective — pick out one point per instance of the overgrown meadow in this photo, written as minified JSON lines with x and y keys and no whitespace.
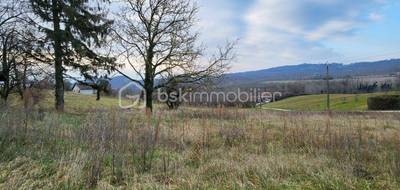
{"x":199,"y":149}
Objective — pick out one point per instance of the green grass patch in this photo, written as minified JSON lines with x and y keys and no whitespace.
{"x":339,"y":102}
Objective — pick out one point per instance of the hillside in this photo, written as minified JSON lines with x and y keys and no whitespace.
{"x":339,"y":102}
{"x":299,"y":72}
{"x":315,"y":71}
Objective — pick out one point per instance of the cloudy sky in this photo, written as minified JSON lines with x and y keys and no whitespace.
{"x":285,"y":32}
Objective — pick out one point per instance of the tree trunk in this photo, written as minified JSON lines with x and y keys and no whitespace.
{"x":6,"y":73}
{"x":149,"y":85}
{"x":98,"y":95}
{"x":59,"y":88}
{"x":149,"y":100}
{"x":149,"y":81}
{"x":19,"y":81}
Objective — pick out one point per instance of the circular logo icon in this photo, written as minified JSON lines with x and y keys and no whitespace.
{"x":132,"y":95}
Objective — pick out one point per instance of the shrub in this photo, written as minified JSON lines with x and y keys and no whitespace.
{"x":386,"y":102}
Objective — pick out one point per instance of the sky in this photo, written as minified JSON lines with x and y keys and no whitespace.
{"x":274,"y":33}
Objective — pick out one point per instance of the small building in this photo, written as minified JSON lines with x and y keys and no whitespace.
{"x":76,"y":88}
{"x":83,"y":89}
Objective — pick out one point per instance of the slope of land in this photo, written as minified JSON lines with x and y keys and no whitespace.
{"x":317,"y":71}
{"x":299,"y":72}
{"x":339,"y":102}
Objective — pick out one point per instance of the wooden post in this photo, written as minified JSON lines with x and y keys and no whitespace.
{"x":328,"y":93}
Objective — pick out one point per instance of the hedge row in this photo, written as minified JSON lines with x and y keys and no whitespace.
{"x":385,"y":102}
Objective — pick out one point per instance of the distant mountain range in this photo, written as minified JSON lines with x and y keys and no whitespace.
{"x":119,"y":82}
{"x":300,"y":72}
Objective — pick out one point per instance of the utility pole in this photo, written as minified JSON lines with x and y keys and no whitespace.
{"x":328,"y":92}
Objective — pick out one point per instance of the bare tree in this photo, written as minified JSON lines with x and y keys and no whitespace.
{"x":19,"y":45}
{"x":7,"y":15}
{"x":18,"y":58}
{"x":159,"y":45}
{"x":10,"y":46}
{"x":9,"y":11}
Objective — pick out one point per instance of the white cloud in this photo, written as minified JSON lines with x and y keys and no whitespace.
{"x":375,"y":16}
{"x":291,"y":32}
{"x":218,"y":21}
{"x":331,"y":28}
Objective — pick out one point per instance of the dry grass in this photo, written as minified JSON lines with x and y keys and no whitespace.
{"x":199,"y":149}
{"x":74,"y":103}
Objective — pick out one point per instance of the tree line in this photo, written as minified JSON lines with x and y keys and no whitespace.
{"x":153,"y":43}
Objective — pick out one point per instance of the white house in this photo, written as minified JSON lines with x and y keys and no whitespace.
{"x":81,"y":89}
{"x":76,"y":88}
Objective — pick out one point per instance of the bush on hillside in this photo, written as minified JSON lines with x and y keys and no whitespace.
{"x":385,"y":102}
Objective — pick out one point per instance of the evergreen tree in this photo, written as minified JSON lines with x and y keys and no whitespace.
{"x":74,"y":29}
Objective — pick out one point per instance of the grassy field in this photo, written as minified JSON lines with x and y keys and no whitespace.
{"x":339,"y":102}
{"x":196,"y":148}
{"x":74,"y":103}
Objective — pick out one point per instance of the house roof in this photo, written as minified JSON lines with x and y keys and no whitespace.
{"x":82,"y":87}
